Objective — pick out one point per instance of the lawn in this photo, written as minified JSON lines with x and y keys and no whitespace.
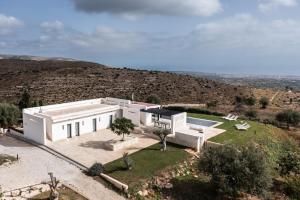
{"x":146,"y":163}
{"x":256,"y":133}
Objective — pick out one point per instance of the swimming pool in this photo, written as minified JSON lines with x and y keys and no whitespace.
{"x":201,"y":122}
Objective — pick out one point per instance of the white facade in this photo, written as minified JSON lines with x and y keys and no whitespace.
{"x":56,"y":122}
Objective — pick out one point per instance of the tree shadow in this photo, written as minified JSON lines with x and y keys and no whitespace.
{"x":94,"y":144}
{"x":191,"y":189}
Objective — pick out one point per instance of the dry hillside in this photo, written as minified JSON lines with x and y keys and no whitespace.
{"x":63,"y":81}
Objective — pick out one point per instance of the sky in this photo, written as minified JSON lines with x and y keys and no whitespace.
{"x":216,"y":36}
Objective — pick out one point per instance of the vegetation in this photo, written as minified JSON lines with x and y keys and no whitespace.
{"x":9,"y":114}
{"x":289,"y":117}
{"x":292,"y":187}
{"x":251,"y":114}
{"x":96,"y":169}
{"x":25,"y":101}
{"x":122,"y":126}
{"x":289,"y":162}
{"x":65,"y":193}
{"x":147,"y":163}
{"x":127,"y":161}
{"x":162,"y":134}
{"x":6,"y":159}
{"x":194,"y":110}
{"x":153,"y":99}
{"x":264,"y":102}
{"x":250,"y":101}
{"x":212,"y":104}
{"x":235,"y":171}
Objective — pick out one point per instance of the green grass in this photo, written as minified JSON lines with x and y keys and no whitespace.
{"x":146,"y":163}
{"x":257,"y":132}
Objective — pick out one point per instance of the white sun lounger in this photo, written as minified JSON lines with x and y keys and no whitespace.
{"x":242,"y":127}
{"x":234,"y":118}
{"x":228,"y":116}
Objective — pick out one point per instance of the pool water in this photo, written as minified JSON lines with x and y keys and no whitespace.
{"x":201,"y":122}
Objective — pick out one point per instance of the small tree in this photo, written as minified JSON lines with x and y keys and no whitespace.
{"x":212,"y":104}
{"x":235,"y":171}
{"x":153,"y":99}
{"x":9,"y":114}
{"x":54,"y":194}
{"x":290,"y":117}
{"x":264,"y":102}
{"x":25,"y":101}
{"x":250,"y":101}
{"x":127,"y":161}
{"x":122,"y":126}
{"x":251,"y":114}
{"x":162,"y":134}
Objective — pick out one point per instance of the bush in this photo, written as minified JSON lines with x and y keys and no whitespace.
{"x":96,"y":169}
{"x":264,"y":102}
{"x":292,"y":187}
{"x":212,"y":104}
{"x":289,"y":162}
{"x":251,"y":101}
{"x":251,"y":114}
{"x":153,"y":99}
{"x":290,"y":117}
{"x":194,"y":110}
{"x":234,"y":171}
{"x":9,"y":114}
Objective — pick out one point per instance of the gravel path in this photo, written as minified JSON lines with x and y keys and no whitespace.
{"x":33,"y":168}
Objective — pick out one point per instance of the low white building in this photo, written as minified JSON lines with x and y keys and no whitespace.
{"x":67,"y":120}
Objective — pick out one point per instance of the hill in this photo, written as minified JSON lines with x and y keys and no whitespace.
{"x":55,"y":81}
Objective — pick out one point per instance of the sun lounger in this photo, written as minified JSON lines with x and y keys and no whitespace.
{"x":242,"y":127}
{"x":228,"y":116}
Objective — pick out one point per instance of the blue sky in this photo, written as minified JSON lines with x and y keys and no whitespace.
{"x":219,"y":36}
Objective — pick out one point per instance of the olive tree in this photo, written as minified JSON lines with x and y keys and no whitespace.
{"x":153,"y":99}
{"x":9,"y":114}
{"x":264,"y":102}
{"x":162,"y":134}
{"x":234,"y":171}
{"x":290,"y":117}
{"x":122,"y":126}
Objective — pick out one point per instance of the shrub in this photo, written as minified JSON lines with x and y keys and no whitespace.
{"x":264,"y":102}
{"x":251,"y":114}
{"x":234,"y":171}
{"x":96,"y":169}
{"x":250,"y":101}
{"x":212,"y":104}
{"x":153,"y":99}
{"x":9,"y":114}
{"x":289,"y":162}
{"x":127,"y":161}
{"x":290,"y":117}
{"x":292,"y":187}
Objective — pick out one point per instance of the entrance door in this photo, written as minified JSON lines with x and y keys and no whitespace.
{"x":94,"y":125}
{"x":69,"y":130}
{"x":77,"y":129}
{"x":110,"y":120}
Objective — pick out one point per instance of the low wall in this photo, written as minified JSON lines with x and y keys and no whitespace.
{"x":115,"y":182}
{"x":209,"y":144}
{"x":191,"y":141}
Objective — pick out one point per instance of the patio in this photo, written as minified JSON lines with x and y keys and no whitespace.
{"x":88,"y":149}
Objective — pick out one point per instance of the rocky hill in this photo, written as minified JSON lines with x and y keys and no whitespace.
{"x":55,"y":81}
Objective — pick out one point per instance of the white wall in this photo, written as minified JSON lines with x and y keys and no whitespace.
{"x":178,"y":122}
{"x":146,"y":118}
{"x":34,"y":128}
{"x":59,"y":130}
{"x":193,"y":141}
{"x":134,"y":114}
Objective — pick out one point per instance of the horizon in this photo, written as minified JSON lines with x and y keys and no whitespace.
{"x":216,"y":36}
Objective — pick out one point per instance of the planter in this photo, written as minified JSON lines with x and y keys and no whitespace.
{"x":115,"y":145}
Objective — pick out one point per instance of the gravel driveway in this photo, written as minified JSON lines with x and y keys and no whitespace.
{"x":34,"y":165}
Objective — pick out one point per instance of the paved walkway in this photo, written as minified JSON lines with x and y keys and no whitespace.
{"x":90,"y":148}
{"x":33,"y":168}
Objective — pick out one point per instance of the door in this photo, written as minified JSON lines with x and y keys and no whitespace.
{"x":110,"y":120}
{"x":77,"y":129}
{"x":69,"y":130}
{"x":94,"y":125}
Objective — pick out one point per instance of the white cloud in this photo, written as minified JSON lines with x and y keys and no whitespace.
{"x":267,"y":5}
{"x":49,"y":27}
{"x":131,"y":8}
{"x":8,"y":24}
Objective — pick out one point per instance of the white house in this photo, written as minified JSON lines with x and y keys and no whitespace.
{"x":67,"y":120}
{"x":61,"y":121}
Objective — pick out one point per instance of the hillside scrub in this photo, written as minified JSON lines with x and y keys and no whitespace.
{"x":9,"y":114}
{"x":194,"y":110}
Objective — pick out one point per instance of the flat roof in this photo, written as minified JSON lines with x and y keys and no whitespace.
{"x":158,"y":111}
{"x":78,"y":111}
